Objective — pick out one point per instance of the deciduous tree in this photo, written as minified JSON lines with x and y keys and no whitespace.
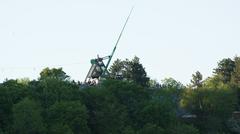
{"x":130,"y":70}
{"x":27,"y":118}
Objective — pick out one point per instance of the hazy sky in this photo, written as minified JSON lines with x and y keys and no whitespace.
{"x":172,"y":38}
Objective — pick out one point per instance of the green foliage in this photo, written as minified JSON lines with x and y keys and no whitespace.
{"x":49,"y":91}
{"x":225,"y":69}
{"x":197,"y":80}
{"x":236,"y":72}
{"x":132,"y":96}
{"x":53,"y":74}
{"x":158,"y":113}
{"x":172,"y":90}
{"x":154,"y":84}
{"x":116,"y":69}
{"x":23,"y":81}
{"x":107,"y":115}
{"x":71,"y":115}
{"x":215,"y":82}
{"x":213,"y":107}
{"x":1,"y":131}
{"x":151,"y":129}
{"x":128,"y":130}
{"x":27,"y":118}
{"x":183,"y":129}
{"x":127,"y":104}
{"x":60,"y":128}
{"x":234,"y":125}
{"x":172,"y":83}
{"x":130,"y":70}
{"x":11,"y":92}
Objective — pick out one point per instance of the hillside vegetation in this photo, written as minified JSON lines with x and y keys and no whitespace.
{"x":130,"y":103}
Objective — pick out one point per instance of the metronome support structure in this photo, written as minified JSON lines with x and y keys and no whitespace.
{"x":98,"y":68}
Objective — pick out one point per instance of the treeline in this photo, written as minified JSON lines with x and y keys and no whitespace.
{"x":129,"y":102}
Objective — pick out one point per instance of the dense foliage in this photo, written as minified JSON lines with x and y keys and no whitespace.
{"x":129,"y":103}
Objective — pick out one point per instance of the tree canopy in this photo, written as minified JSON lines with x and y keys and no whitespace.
{"x":55,"y":73}
{"x":126,"y":103}
{"x":130,"y":70}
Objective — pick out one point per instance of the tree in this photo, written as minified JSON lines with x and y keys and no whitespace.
{"x":236,"y":72}
{"x":154,"y":84}
{"x":11,"y":92}
{"x":27,"y":118}
{"x":225,"y":69}
{"x":172,"y":83}
{"x":132,"y":96}
{"x":1,"y":132}
{"x":128,"y":130}
{"x":151,"y":129}
{"x":60,"y":128}
{"x":138,"y":73}
{"x":55,"y":73}
{"x":50,"y":91}
{"x":197,"y":80}
{"x":213,"y":107}
{"x":173,"y":90}
{"x":116,"y":69}
{"x":72,"y":115}
{"x":129,"y":70}
{"x":181,"y":128}
{"x":23,"y":81}
{"x":106,"y":114}
{"x":160,"y":113}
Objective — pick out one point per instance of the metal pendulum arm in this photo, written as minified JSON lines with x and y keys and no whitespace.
{"x":110,"y":57}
